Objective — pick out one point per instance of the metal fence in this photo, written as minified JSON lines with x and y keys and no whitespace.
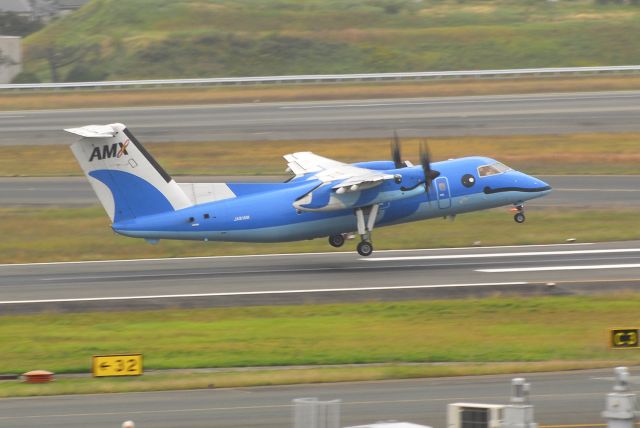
{"x":328,"y":78}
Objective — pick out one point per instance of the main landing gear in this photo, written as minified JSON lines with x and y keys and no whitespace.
{"x":365,"y":226}
{"x":336,"y":240}
{"x":519,"y":213}
{"x":365,"y":247}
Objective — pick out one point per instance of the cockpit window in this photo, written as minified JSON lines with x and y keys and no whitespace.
{"x":492,"y":169}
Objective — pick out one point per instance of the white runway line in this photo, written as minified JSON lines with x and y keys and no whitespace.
{"x":491,"y":255}
{"x":173,"y":259}
{"x":558,"y":268}
{"x":258,"y":293}
{"x":478,"y":100}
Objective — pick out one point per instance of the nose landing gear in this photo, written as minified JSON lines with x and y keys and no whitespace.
{"x":519,"y":216}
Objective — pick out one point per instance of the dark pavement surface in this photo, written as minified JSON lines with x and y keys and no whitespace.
{"x":558,"y":113}
{"x":559,"y":398}
{"x":319,"y":277}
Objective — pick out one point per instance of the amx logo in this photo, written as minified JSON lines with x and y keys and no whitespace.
{"x":110,"y":151}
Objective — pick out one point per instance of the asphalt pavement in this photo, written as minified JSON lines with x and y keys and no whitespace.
{"x":563,"y":398}
{"x":557,"y":113}
{"x":320,"y":277}
{"x":568,"y":191}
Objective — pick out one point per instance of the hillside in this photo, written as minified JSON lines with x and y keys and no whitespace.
{"x":115,"y":39}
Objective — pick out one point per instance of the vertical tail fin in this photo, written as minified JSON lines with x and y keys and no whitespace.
{"x":126,"y":178}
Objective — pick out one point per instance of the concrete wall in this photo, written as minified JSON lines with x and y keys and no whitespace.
{"x":10,"y":47}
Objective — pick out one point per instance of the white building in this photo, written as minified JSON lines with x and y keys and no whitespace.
{"x":40,"y":10}
{"x":10,"y":58}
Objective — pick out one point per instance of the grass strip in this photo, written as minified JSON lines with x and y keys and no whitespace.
{"x":48,"y":237}
{"x":521,"y":334}
{"x":590,"y":153}
{"x":232,"y":379}
{"x":61,"y":99}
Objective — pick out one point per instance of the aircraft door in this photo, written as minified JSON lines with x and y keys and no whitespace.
{"x":444,"y":195}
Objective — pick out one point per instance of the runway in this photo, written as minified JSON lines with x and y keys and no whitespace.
{"x":559,"y":398}
{"x":558,"y":113}
{"x":599,"y":192}
{"x":319,"y":277}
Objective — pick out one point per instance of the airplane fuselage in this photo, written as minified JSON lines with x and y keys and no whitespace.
{"x":263,"y":212}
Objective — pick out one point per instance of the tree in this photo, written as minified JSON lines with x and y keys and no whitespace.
{"x":60,"y":56}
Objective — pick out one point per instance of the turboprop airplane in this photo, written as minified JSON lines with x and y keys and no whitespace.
{"x":323,"y":198}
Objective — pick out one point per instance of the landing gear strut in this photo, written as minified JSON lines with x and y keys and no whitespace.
{"x":365,"y":247}
{"x":519,"y":214}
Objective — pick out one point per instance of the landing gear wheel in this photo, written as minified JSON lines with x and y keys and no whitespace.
{"x":336,"y":240}
{"x":519,"y":218}
{"x":365,"y":248}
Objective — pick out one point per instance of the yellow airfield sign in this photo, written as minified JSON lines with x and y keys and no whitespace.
{"x":117,"y":365}
{"x":624,"y":338}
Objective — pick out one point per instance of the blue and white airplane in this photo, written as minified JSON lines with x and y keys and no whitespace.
{"x":324,"y":198}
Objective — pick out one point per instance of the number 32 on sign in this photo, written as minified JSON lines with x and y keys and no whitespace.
{"x":117,"y":365}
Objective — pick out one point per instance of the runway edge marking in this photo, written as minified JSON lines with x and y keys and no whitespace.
{"x":492,"y":255}
{"x":254,"y":293}
{"x":277,"y":255}
{"x":559,"y":268}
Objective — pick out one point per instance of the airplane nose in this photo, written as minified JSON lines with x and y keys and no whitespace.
{"x":514,"y":181}
{"x":540,"y":185}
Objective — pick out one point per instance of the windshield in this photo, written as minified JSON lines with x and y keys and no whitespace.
{"x":494,"y":168}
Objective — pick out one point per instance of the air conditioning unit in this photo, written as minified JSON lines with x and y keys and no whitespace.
{"x":475,"y":415}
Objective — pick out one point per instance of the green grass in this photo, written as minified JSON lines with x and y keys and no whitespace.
{"x":549,"y":332}
{"x":167,"y":38}
{"x":42,"y":235}
{"x":593,"y":153}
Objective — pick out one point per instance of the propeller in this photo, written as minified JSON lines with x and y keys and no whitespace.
{"x":425,"y":161}
{"x":395,"y":151}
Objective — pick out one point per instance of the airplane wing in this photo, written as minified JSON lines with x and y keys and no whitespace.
{"x":350,"y":178}
{"x":341,"y":185}
{"x":301,"y":163}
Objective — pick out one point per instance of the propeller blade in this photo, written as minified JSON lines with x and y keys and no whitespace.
{"x":395,"y":151}
{"x":425,"y":161}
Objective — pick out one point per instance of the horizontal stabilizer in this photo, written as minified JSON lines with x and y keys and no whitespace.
{"x":95,"y":131}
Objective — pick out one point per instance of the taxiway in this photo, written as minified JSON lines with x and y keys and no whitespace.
{"x":555,"y":113}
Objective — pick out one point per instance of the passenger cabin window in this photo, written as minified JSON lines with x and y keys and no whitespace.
{"x":492,"y":169}
{"x":206,"y":216}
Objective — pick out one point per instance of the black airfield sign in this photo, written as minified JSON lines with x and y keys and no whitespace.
{"x":624,"y":338}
